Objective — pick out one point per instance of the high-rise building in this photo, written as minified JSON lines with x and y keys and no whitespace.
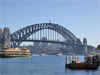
{"x":44,"y":45}
{"x":36,"y":45}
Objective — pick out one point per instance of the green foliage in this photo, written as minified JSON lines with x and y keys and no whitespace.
{"x":98,"y":48}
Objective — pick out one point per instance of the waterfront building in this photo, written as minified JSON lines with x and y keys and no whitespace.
{"x":36,"y":45}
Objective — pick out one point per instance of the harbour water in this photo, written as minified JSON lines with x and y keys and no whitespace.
{"x":40,"y":65}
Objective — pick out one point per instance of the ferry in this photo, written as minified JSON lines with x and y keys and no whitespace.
{"x":60,"y":54}
{"x":14,"y":52}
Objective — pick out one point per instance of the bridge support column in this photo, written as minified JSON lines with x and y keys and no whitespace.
{"x":6,"y":37}
{"x":1,"y":37}
{"x":85,"y":46}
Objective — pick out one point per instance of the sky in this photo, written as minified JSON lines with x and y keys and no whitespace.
{"x":81,"y":17}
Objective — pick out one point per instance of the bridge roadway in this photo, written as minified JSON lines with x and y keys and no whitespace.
{"x":46,"y":41}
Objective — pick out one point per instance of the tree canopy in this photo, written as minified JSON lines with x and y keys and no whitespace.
{"x":98,"y":48}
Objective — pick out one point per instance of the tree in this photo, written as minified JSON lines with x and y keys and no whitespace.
{"x":98,"y":48}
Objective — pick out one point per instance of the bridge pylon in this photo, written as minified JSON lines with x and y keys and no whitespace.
{"x":5,"y":37}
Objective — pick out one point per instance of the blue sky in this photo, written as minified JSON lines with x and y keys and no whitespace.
{"x":81,"y":17}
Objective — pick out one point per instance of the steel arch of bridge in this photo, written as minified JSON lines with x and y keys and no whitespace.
{"x":25,"y":32}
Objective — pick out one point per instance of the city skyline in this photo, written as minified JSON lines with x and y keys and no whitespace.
{"x":79,"y":16}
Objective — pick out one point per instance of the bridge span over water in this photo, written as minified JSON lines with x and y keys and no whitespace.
{"x":42,"y":32}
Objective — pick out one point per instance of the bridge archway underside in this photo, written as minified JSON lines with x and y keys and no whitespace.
{"x":21,"y":35}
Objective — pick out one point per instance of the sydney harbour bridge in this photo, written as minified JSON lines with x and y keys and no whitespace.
{"x":52,"y":33}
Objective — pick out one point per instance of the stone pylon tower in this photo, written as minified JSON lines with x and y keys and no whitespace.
{"x":6,"y":37}
{"x":1,"y":36}
{"x":85,"y":46}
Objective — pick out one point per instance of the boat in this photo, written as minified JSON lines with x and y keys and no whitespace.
{"x":75,"y":65}
{"x":14,"y":52}
{"x":60,"y":54}
{"x":89,"y":63}
{"x":43,"y":54}
{"x":35,"y":54}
